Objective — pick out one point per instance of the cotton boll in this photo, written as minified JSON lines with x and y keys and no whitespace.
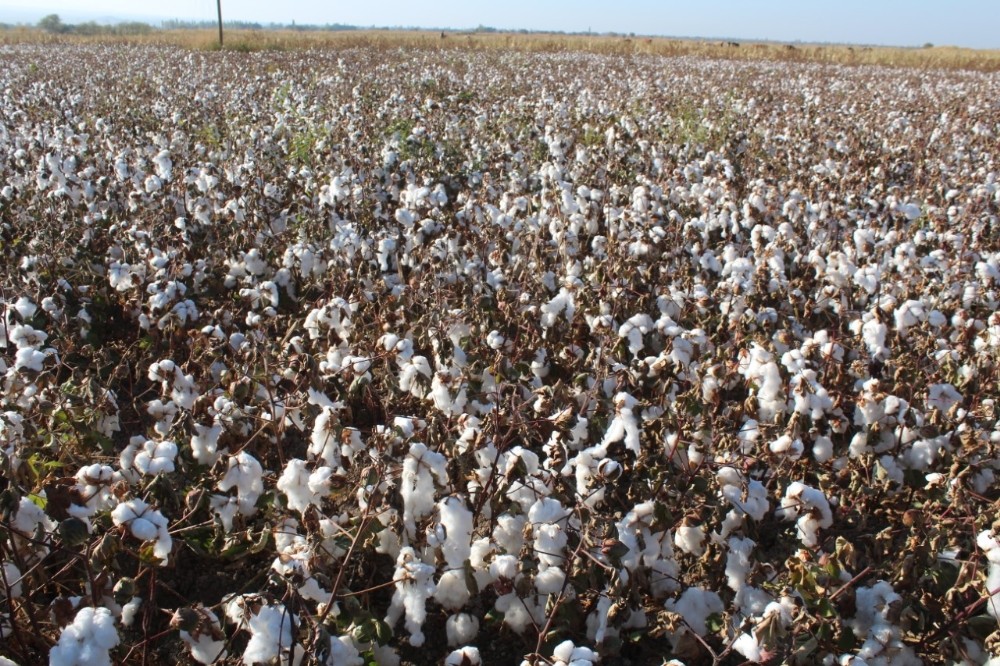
{"x":690,"y":539}
{"x":811,"y":508}
{"x":695,"y":605}
{"x":246,"y":475}
{"x":466,"y":656}
{"x":822,"y":449}
{"x":204,"y":443}
{"x":270,"y":634}
{"x":417,"y":482}
{"x":788,"y":447}
{"x":414,"y":585}
{"x":461,"y":628}
{"x":625,"y":425}
{"x":87,"y":641}
{"x":452,"y":592}
{"x":550,"y":580}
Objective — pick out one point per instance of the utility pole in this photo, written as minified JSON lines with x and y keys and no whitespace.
{"x":218,"y":4}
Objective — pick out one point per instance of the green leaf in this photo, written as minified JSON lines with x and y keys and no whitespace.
{"x":714,"y":623}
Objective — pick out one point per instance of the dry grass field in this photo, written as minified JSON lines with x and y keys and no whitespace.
{"x":940,"y":57}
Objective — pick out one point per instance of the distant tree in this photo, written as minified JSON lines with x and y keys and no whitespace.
{"x":88,"y":28}
{"x":133,"y":28}
{"x":52,"y":23}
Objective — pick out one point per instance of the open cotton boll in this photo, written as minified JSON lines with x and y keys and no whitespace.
{"x":456,"y":519}
{"x":811,"y":508}
{"x":87,"y":641}
{"x":690,"y":539}
{"x":343,"y":652}
{"x":943,"y":397}
{"x":695,"y":605}
{"x":420,"y":468}
{"x":204,"y":647}
{"x":246,"y":475}
{"x":569,"y":654}
{"x":461,"y":628}
{"x":989,"y":544}
{"x":466,"y":656}
{"x":205,"y":443}
{"x":302,"y":487}
{"x":414,"y":586}
{"x":625,"y":425}
{"x":146,"y":524}
{"x":788,"y":447}
{"x":155,"y":457}
{"x":271,"y":636}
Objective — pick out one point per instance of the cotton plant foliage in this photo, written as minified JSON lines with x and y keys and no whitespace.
{"x":470,"y":356}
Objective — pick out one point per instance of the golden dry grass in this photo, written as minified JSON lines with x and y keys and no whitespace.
{"x":942,"y":57}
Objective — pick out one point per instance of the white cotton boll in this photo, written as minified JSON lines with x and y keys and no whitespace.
{"x":690,"y":539}
{"x":420,"y":469}
{"x":25,"y":307}
{"x":205,"y":649}
{"x":804,"y":502}
{"x":910,"y":313}
{"x":504,"y":567}
{"x":205,"y":442}
{"x":456,"y":519}
{"x":270,"y":634}
{"x":748,"y":435}
{"x":129,"y":611}
{"x":155,"y":457}
{"x":625,"y":425}
{"x":747,"y":645}
{"x":28,"y":358}
{"x":822,"y":449}
{"x":873,"y":333}
{"x":466,"y":656}
{"x":695,"y":605}
{"x":302,"y":487}
{"x":87,"y":641}
{"x":146,"y":524}
{"x":414,"y":585}
{"x":461,"y":628}
{"x":343,"y":652}
{"x":142,"y":529}
{"x":785,"y":445}
{"x":509,"y":532}
{"x":738,"y":563}
{"x":246,"y":475}
{"x":550,"y":580}
{"x":452,"y":592}
{"x":494,"y":340}
{"x":943,"y":397}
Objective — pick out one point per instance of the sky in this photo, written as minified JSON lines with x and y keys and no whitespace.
{"x":969,"y":23}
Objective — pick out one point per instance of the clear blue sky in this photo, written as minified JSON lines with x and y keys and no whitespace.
{"x":972,"y":23}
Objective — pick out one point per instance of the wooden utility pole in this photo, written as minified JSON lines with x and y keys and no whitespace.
{"x":218,"y":4}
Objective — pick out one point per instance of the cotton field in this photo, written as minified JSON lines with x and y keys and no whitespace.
{"x":385,"y":357}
